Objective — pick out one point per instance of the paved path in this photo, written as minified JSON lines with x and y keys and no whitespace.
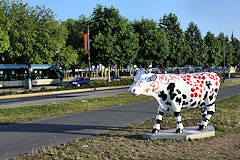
{"x":25,"y":100}
{"x":22,"y":138}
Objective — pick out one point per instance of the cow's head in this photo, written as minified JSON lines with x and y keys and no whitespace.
{"x":144,"y":83}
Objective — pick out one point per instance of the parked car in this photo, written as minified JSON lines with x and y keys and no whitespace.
{"x":80,"y":81}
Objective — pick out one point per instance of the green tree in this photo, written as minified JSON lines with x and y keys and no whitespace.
{"x":111,"y":37}
{"x":213,"y":49}
{"x":236,"y":51}
{"x":197,"y":50}
{"x":34,"y":34}
{"x":4,"y":38}
{"x":68,"y":57}
{"x":76,"y":29}
{"x":179,"y":50}
{"x":128,"y":41}
{"x":154,"y":46}
{"x":51,"y":37}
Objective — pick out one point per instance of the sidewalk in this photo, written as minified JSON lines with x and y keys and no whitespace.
{"x":25,"y":137}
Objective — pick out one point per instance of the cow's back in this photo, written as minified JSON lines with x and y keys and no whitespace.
{"x":189,"y":90}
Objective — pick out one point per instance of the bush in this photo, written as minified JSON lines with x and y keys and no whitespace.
{"x":121,"y":82}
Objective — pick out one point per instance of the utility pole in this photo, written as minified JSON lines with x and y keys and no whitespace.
{"x":223,"y":60}
{"x":89,"y":63}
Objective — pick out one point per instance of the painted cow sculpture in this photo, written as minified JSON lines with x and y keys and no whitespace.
{"x":177,"y":91}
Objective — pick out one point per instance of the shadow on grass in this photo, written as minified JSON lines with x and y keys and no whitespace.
{"x":5,"y":123}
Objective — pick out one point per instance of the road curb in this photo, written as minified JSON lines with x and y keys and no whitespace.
{"x":61,"y":92}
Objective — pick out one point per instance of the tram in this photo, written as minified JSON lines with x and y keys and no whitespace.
{"x":14,"y":75}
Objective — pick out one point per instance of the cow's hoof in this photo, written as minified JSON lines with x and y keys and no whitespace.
{"x":179,"y":130}
{"x":202,"y":127}
{"x":155,"y":131}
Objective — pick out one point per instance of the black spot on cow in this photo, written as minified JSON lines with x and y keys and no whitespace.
{"x":208,"y":83}
{"x":205,"y":96}
{"x":184,"y":96}
{"x":191,"y":100}
{"x":199,"y":103}
{"x":168,"y":103}
{"x":202,"y":104}
{"x":211,"y":97}
{"x":172,"y":96}
{"x":185,"y":103}
{"x":161,"y":113}
{"x":194,"y":104}
{"x":179,"y":100}
{"x":176,"y":114}
{"x":171,"y":87}
{"x":178,"y":91}
{"x":163,"y":95}
{"x":211,"y":104}
{"x":216,"y":90}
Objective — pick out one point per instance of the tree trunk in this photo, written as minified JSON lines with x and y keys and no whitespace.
{"x":109,"y":71}
{"x":82,"y":72}
{"x":119,"y":70}
{"x":131,"y":70}
{"x":115,"y":70}
{"x":105,"y":72}
{"x":92,"y":73}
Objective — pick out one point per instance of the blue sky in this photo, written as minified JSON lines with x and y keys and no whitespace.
{"x":210,"y":15}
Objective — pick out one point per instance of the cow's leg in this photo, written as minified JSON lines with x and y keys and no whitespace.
{"x":156,"y":127}
{"x":210,"y":109}
{"x":179,"y":122}
{"x":204,"y":112}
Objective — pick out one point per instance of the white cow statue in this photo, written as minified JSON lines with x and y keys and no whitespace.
{"x":176,"y":91}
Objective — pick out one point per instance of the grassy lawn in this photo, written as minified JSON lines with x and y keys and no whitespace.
{"x":29,"y":113}
{"x":126,"y":143}
{"x":231,"y":82}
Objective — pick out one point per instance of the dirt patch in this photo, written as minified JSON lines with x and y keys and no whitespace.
{"x":226,"y":147}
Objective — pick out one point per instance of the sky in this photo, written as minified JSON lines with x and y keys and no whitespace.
{"x":215,"y":16}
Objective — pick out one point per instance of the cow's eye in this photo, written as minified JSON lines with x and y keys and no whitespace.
{"x":153,"y":78}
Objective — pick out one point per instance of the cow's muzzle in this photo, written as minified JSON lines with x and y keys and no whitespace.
{"x":132,"y":91}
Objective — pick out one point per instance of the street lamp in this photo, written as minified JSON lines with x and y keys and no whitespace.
{"x":223,"y":60}
{"x":87,"y":39}
{"x":89,"y":63}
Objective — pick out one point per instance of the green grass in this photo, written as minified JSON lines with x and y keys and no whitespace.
{"x":29,"y":113}
{"x":231,"y":82}
{"x":126,"y":143}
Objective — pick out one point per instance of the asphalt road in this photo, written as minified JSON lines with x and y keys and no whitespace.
{"x":25,"y":137}
{"x":53,"y":98}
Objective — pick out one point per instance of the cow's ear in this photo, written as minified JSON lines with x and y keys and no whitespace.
{"x":153,"y":78}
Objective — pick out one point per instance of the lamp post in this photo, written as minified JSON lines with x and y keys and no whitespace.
{"x":87,"y":46}
{"x":89,"y":62}
{"x":223,"y":60}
